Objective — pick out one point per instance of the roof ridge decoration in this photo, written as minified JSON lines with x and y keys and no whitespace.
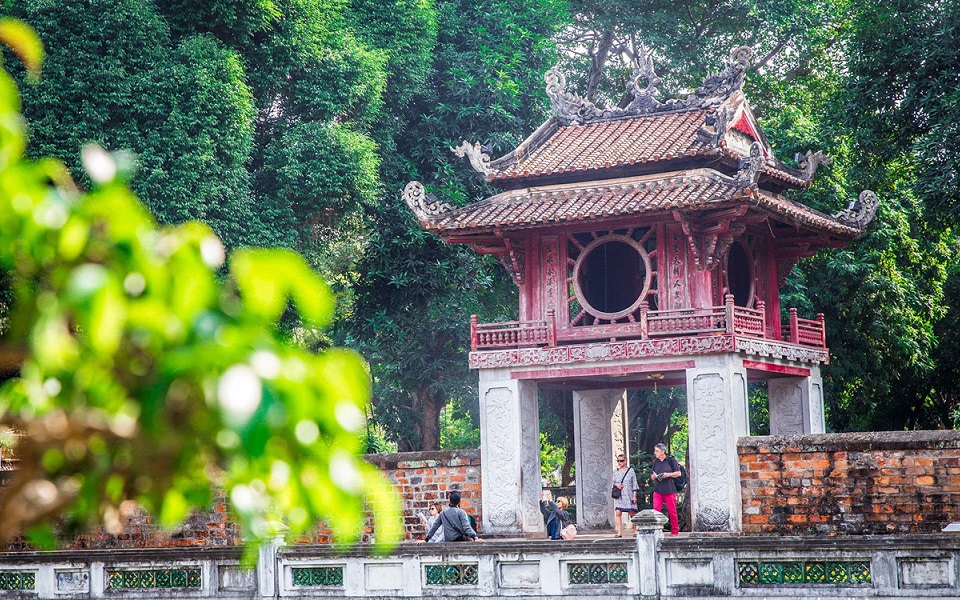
{"x":860,"y":212}
{"x":749,"y":166}
{"x":809,"y":162}
{"x":570,"y":109}
{"x":478,"y":154}
{"x":425,"y":206}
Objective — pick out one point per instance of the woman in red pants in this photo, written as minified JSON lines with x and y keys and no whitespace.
{"x":665,"y":471}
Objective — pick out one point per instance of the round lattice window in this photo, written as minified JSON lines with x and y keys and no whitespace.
{"x":611,"y":277}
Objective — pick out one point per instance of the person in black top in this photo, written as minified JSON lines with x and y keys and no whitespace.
{"x":456,"y":523}
{"x":665,"y":470}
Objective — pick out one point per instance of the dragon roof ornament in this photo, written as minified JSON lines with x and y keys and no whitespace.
{"x":479,"y":156}
{"x":425,"y":206}
{"x":569,"y":108}
{"x":750,"y":165}
{"x":861,"y":211}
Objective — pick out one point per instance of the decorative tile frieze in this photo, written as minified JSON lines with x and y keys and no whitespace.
{"x":597,"y":573}
{"x":451,"y":574}
{"x":149,"y":579}
{"x":318,"y":576}
{"x":589,"y":353}
{"x":18,"y":580}
{"x":830,"y":572}
{"x":774,"y":349}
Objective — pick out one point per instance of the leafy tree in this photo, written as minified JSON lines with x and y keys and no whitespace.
{"x":415,"y":293}
{"x":148,"y":379}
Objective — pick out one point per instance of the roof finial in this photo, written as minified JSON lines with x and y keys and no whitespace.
{"x":643,"y":100}
{"x":424,"y":205}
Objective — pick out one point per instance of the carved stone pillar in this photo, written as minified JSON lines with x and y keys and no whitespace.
{"x":796,"y":404}
{"x":593,"y":414}
{"x":510,"y":453}
{"x":717,"y":413}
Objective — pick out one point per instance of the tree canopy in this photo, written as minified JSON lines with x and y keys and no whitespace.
{"x":296,"y":123}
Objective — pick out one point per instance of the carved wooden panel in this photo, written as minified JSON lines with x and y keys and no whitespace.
{"x":549,"y":257}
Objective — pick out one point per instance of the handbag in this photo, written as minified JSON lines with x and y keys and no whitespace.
{"x":616,"y":492}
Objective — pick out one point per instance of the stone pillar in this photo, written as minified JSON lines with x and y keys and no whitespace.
{"x":620,"y":438}
{"x":510,"y":453}
{"x":593,"y":413}
{"x":717,"y":415}
{"x":796,"y":404}
{"x":649,"y":527}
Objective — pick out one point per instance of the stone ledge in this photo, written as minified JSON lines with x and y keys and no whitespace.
{"x":438,"y":458}
{"x":125,"y":556}
{"x":773,"y":544}
{"x":850,"y":442}
{"x":488,"y":547}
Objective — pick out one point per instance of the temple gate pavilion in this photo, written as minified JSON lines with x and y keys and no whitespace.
{"x":649,"y":244}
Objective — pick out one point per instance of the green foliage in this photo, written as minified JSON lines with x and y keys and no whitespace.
{"x":458,"y":430}
{"x":552,"y":458}
{"x":482,"y":80}
{"x":758,"y":402}
{"x":149,"y":379}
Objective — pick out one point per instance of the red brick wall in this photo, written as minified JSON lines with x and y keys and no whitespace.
{"x":425,"y":477}
{"x":850,"y":483}
{"x":420,"y":477}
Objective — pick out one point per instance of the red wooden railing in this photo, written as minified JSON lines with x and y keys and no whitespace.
{"x":746,"y":322}
{"x":806,"y":332}
{"x":513,"y":334}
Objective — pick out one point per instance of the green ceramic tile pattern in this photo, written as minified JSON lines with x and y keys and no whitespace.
{"x":832,"y":572}
{"x":596,"y":573}
{"x":151,"y":579}
{"x":17,"y":580}
{"x":459,"y":574}
{"x":318,"y":576}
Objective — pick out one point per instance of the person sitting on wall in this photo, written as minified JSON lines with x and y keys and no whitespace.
{"x":455,"y":522}
{"x":665,"y":470}
{"x":435,"y":510}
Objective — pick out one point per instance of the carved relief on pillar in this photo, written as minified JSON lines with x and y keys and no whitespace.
{"x":786,"y":407}
{"x":500,"y":499}
{"x":617,"y":429}
{"x":712,"y":459}
{"x":594,"y":457}
{"x":530,"y":458}
{"x":816,"y":409}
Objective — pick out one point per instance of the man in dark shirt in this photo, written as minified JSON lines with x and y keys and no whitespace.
{"x":456,"y":523}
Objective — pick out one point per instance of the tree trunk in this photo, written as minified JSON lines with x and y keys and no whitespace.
{"x":428,"y":404}
{"x":598,"y":64}
{"x":650,"y":415}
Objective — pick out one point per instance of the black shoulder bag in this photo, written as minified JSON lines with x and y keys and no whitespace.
{"x":616,"y":492}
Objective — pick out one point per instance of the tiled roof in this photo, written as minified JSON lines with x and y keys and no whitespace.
{"x":606,"y":144}
{"x":569,"y":203}
{"x":620,"y":142}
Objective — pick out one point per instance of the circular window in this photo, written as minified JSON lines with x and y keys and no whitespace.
{"x":611,"y":276}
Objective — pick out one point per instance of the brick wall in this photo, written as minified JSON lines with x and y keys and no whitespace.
{"x":850,"y":483}
{"x":425,"y":477}
{"x":420,"y":477}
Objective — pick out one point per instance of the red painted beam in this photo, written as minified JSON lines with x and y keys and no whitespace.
{"x":605,"y":371}
{"x":782,"y":369}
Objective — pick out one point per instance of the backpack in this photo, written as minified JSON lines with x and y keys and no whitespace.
{"x":681,"y":482}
